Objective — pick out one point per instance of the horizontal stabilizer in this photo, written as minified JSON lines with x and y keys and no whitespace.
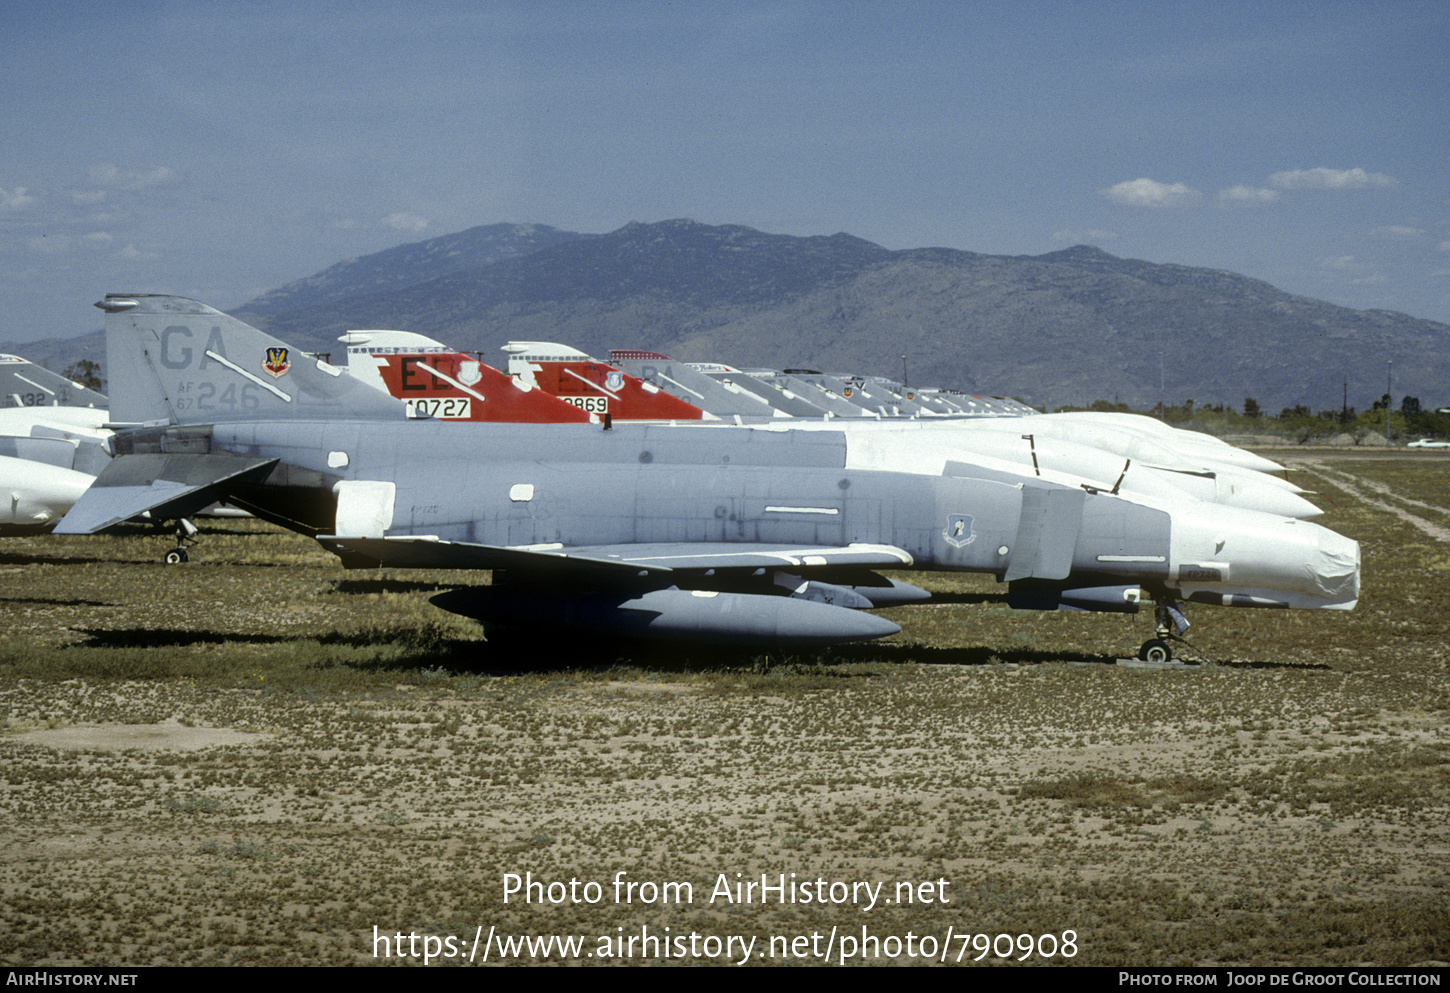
{"x":431,"y":553}
{"x":166,"y":486}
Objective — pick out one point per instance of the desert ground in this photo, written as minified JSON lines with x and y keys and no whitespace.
{"x":259,"y":758}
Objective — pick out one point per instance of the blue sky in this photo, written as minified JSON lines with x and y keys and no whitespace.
{"x":218,"y":150}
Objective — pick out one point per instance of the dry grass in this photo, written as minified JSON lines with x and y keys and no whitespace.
{"x":386,"y":766}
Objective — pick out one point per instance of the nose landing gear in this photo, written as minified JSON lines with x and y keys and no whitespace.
{"x":1172,"y":625}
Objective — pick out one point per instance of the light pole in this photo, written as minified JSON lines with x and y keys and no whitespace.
{"x":1389,"y":379}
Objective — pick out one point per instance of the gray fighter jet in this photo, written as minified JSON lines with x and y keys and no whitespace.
{"x":711,"y":533}
{"x":25,"y":384}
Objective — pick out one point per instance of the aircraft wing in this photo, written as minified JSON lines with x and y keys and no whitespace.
{"x":688,"y":591}
{"x":424,"y":552}
{"x":165,"y":485}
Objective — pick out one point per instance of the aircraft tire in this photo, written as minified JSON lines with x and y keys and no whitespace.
{"x":1155,"y":650}
{"x":177,"y":556}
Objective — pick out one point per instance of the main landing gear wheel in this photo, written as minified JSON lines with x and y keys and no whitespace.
{"x":185,"y":537}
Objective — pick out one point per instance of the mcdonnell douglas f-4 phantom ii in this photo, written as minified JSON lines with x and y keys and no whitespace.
{"x":51,"y":444}
{"x":713,"y":533}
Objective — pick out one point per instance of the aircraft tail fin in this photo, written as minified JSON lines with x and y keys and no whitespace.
{"x":25,"y":384}
{"x":170,"y":359}
{"x":435,"y":381}
{"x":594,"y":386}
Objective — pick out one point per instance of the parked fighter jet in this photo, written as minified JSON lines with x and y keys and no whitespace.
{"x":711,"y":533}
{"x":51,"y":444}
{"x":25,"y":384}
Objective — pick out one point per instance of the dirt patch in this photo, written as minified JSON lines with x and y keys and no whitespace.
{"x":147,"y":737}
{"x":1384,"y":498}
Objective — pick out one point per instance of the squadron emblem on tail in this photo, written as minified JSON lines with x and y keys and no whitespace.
{"x":277,"y":362}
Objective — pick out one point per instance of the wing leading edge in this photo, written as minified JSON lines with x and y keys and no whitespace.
{"x":425,"y":552}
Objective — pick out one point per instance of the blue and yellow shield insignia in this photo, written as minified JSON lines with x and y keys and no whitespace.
{"x":277,"y":362}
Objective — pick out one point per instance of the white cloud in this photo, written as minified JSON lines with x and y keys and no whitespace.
{"x":1331,"y":179}
{"x":1351,"y":271}
{"x":107,"y":174}
{"x":1444,"y":246}
{"x":1398,"y":232}
{"x":15,"y":199}
{"x":1246,"y":196}
{"x":1083,"y":237}
{"x":1151,"y":193}
{"x":133,"y":254}
{"x":403,"y":221}
{"x":97,"y":238}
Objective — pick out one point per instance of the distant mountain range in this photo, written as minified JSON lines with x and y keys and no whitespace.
{"x":1066,"y":327}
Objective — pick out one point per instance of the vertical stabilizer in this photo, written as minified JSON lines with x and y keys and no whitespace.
{"x":175,"y":360}
{"x":594,"y":386}
{"x":25,"y":384}
{"x":435,"y":381}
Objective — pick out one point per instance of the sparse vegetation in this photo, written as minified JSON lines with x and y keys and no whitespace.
{"x":258,"y":757}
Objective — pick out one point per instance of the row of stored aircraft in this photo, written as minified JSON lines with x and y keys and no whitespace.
{"x":59,"y":424}
{"x":614,"y":499}
{"x":1114,"y":451}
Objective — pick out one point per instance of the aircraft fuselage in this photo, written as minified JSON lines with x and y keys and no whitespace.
{"x":536,"y":485}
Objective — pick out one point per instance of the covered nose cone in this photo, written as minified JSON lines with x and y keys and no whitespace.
{"x":1240,"y":558}
{"x":1335,"y":571}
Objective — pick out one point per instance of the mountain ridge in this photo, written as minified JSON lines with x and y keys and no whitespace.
{"x":1069,"y":326}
